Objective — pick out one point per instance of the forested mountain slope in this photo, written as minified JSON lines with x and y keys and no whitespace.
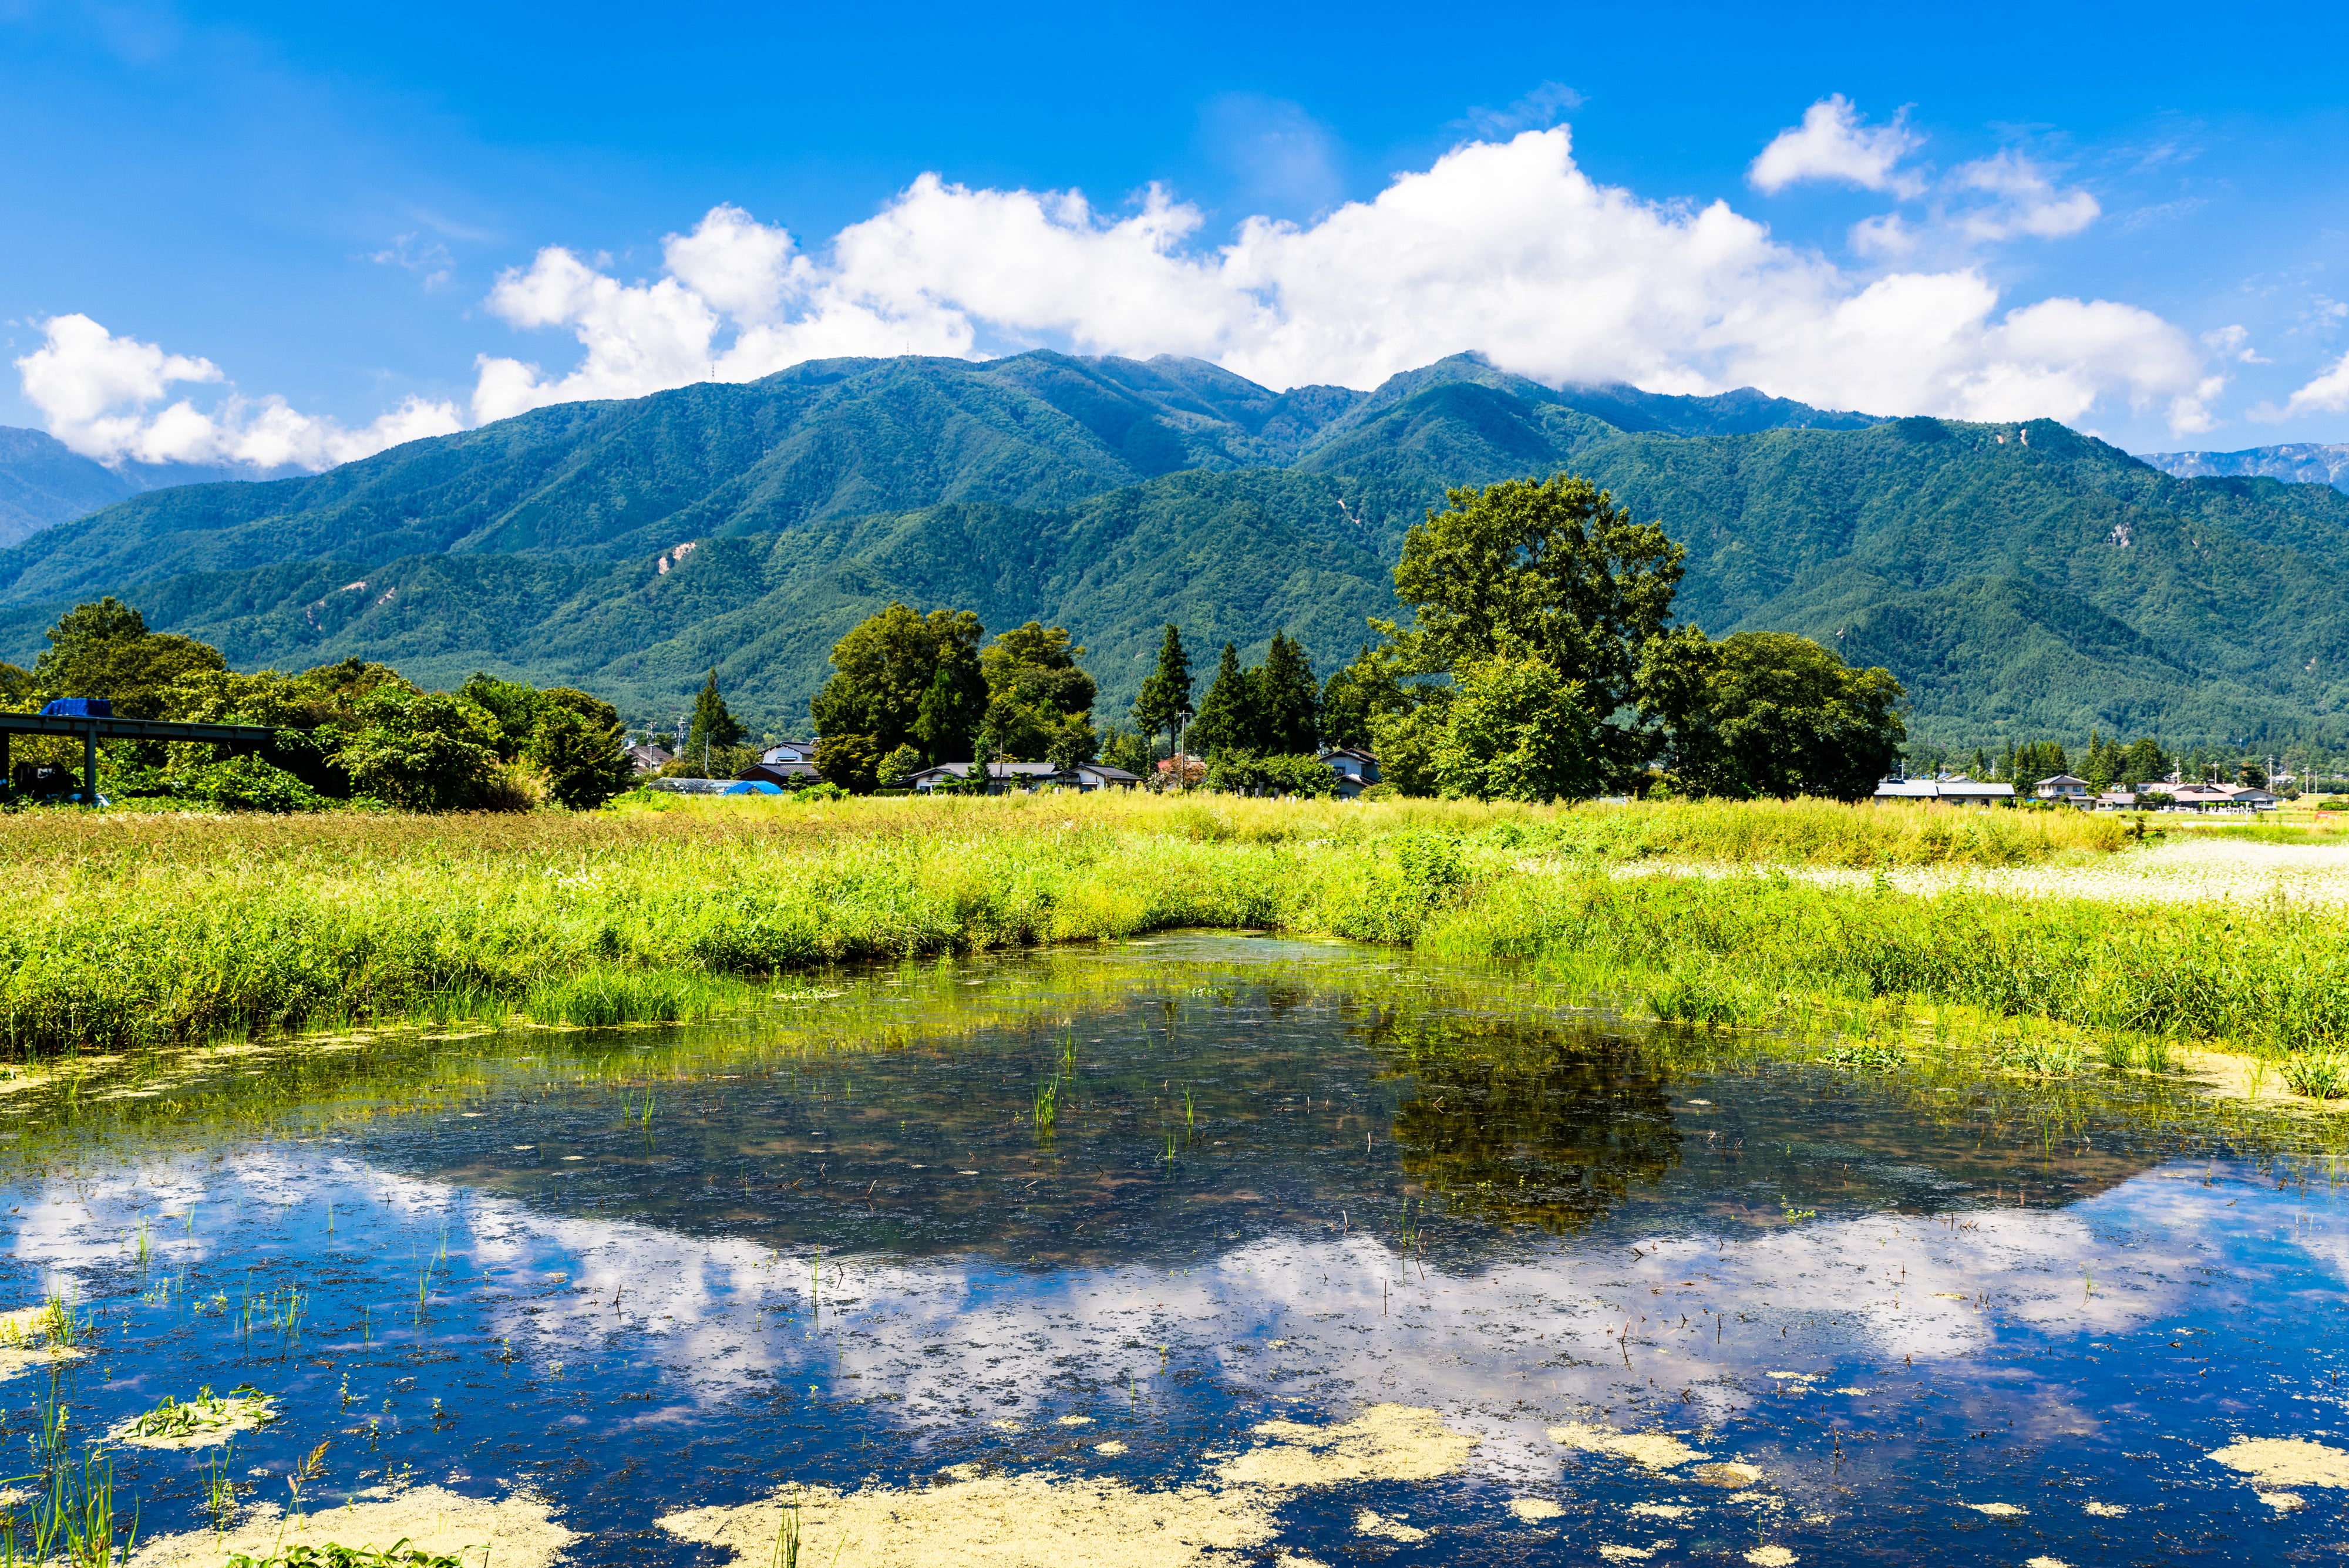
{"x":2021,"y":579}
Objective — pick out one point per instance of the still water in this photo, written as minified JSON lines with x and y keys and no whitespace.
{"x":1317,"y":1255}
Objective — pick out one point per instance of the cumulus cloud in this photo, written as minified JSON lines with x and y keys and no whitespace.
{"x":2327,"y":394}
{"x":1505,"y":247}
{"x":95,"y":390}
{"x":1833,"y":142}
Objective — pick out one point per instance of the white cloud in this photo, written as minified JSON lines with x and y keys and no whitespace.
{"x":2327,"y":394}
{"x":2027,"y":201}
{"x":1503,"y":247}
{"x":94,"y":391}
{"x":1835,"y":143}
{"x":2234,"y":343}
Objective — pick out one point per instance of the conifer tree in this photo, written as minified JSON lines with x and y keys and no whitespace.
{"x":1229,"y":719}
{"x":1287,"y":702}
{"x":713,"y":726}
{"x":1166,"y":691}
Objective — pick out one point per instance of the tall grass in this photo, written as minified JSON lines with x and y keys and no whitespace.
{"x":133,"y":931}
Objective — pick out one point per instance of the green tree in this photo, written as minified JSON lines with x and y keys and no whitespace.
{"x":423,"y":750}
{"x":897,"y":768}
{"x":2144,"y":763}
{"x":714,"y":728}
{"x":515,"y":707}
{"x":886,"y":681}
{"x":104,"y":649}
{"x":1405,"y":740}
{"x":584,"y":762}
{"x":1228,"y":719}
{"x":1129,"y":749}
{"x":1553,"y":571}
{"x":1357,"y":694}
{"x":851,"y":761}
{"x":1072,"y":743}
{"x":1288,"y":704}
{"x":1166,"y":689}
{"x":1034,"y":688}
{"x":1770,"y":714}
{"x":1981,"y":765}
{"x":1514,"y":731}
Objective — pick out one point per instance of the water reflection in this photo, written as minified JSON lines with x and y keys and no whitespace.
{"x":1262,"y":1198}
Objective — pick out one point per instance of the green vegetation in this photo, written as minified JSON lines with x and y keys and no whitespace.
{"x":2017,"y":580}
{"x":147,"y":930}
{"x":399,"y":1554}
{"x":243,"y":1409}
{"x":350,"y":731}
{"x":1767,"y":713}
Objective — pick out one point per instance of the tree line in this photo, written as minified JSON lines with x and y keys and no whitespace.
{"x":348,"y":734}
{"x":1538,"y":663}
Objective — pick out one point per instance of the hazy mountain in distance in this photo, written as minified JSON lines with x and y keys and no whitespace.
{"x":43,"y":482}
{"x":2303,"y":462}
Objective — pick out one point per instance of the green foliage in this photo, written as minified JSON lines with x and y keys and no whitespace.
{"x":1357,"y":694}
{"x":104,"y":649}
{"x":1515,"y":731}
{"x":1166,"y":691}
{"x":399,"y":1554}
{"x":1769,"y":714}
{"x":1555,"y":571}
{"x":246,"y":784}
{"x":584,"y":762}
{"x":1227,"y":718}
{"x":1288,"y":703}
{"x":1070,"y":742}
{"x":1129,"y":749}
{"x":1246,"y":772}
{"x":900,"y":678}
{"x":851,"y":762}
{"x":1405,"y":740}
{"x":513,"y":707}
{"x":896,"y":770}
{"x":422,"y":751}
{"x":1036,"y":695}
{"x":713,"y":725}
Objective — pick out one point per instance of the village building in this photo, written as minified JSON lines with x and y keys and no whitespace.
{"x":1005,"y":778}
{"x":1356,"y":769}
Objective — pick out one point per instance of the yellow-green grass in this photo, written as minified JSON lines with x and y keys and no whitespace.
{"x":126,"y":931}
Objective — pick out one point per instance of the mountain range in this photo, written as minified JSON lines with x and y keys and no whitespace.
{"x":2021,"y":579}
{"x":2303,"y":462}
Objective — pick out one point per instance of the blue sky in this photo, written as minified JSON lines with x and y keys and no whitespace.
{"x":253,"y":232}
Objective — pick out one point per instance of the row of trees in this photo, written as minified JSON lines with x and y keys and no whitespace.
{"x":1539,"y":664}
{"x":910,"y":690}
{"x":348,"y":731}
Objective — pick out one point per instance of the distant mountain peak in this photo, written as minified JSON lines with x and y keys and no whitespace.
{"x":2300,"y":462}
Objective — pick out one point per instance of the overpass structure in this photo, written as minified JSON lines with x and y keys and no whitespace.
{"x":93,"y":728}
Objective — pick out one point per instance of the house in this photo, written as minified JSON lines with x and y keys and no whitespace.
{"x":2221,"y":797}
{"x":1356,"y":769}
{"x":1003,"y":778}
{"x":789,"y":752}
{"x":1958,"y":790}
{"x":2064,"y":786}
{"x":782,"y":775}
{"x":646,"y":759}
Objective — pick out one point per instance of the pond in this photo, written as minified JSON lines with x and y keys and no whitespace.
{"x":1200,"y":1250}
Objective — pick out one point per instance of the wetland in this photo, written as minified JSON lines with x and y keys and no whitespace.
{"x":1186,"y":1247}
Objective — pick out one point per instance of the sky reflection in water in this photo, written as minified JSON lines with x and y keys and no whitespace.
{"x":1896,"y":1304}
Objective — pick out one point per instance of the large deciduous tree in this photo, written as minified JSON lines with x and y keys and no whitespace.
{"x":1770,"y":714}
{"x":900,"y":677}
{"x":104,"y":649}
{"x":1037,"y":694}
{"x":1553,"y":571}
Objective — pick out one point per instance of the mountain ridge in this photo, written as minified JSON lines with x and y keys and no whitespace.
{"x":2020,"y":577}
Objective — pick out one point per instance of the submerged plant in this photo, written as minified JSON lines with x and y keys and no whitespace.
{"x":1048,"y":1109}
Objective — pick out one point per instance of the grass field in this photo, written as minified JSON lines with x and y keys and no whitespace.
{"x":128,"y":931}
